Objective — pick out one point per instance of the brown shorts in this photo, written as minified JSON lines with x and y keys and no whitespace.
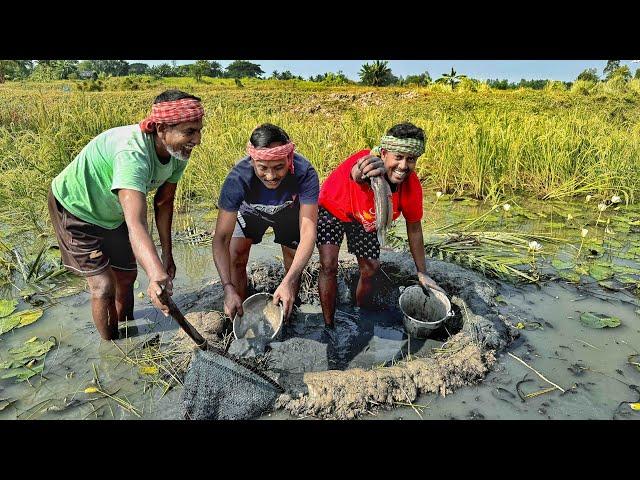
{"x":88,"y":249}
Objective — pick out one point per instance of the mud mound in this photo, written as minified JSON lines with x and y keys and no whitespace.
{"x":351,"y":393}
{"x":211,"y":325}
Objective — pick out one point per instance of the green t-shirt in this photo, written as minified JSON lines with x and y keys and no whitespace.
{"x":122,"y":157}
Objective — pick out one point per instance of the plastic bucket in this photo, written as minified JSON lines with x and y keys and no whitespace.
{"x":423,"y":314}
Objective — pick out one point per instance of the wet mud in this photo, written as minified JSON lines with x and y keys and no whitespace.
{"x":368,"y":362}
{"x":210,"y":324}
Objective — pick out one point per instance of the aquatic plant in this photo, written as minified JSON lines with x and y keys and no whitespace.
{"x":500,"y":254}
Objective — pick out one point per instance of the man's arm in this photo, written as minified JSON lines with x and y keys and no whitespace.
{"x":416,"y":246}
{"x":225,"y":224}
{"x":163,"y":209}
{"x":308,"y":231}
{"x":134,"y":205}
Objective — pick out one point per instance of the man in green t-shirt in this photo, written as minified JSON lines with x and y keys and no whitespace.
{"x":98,"y":206}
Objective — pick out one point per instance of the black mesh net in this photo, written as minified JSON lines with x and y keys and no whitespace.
{"x":218,"y":388}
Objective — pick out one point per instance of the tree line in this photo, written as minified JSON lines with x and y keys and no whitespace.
{"x":47,"y":70}
{"x":376,"y":73}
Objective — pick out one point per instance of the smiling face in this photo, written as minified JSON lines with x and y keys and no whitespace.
{"x":271,"y":172}
{"x":181,"y":138}
{"x":398,"y":165}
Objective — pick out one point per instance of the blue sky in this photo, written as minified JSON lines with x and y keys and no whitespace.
{"x":512,"y":70}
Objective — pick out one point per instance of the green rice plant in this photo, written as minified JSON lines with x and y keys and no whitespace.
{"x":555,"y":85}
{"x":487,"y":144}
{"x":582,"y":87}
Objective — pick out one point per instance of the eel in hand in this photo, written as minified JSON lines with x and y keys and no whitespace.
{"x":384,"y":206}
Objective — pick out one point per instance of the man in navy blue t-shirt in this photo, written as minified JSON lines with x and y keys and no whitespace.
{"x":271,"y":187}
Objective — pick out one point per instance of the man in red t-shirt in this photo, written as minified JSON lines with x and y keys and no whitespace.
{"x":347,"y":207}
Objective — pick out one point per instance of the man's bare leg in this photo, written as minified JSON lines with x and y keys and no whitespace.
{"x":328,"y":281}
{"x":364,"y":291}
{"x":103,"y":305}
{"x":124,"y":293}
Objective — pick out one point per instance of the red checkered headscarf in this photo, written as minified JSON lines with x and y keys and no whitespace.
{"x":275,"y":153}
{"x":176,"y":111}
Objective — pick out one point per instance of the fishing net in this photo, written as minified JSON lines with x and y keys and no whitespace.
{"x":217,"y":387}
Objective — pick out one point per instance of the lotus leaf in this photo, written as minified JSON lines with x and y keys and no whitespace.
{"x":8,"y":323}
{"x":31,"y":349}
{"x":611,"y":285}
{"x":23,"y":373}
{"x":569,"y":275}
{"x":596,"y":320}
{"x":582,"y":270}
{"x":599,"y":272}
{"x":561,"y":264}
{"x":7,"y":307}
{"x":27,"y":317}
{"x":625,"y":269}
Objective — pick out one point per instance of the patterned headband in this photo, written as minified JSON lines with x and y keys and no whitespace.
{"x":177,"y":111}
{"x":410,"y":146}
{"x":275,"y":153}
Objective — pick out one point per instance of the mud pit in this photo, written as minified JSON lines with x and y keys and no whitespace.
{"x":368,"y":362}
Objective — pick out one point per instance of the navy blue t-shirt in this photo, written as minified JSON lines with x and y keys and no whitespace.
{"x":242,"y":190}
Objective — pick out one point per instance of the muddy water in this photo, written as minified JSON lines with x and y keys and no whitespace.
{"x":70,"y":366}
{"x":361,"y":339}
{"x":590,"y":364}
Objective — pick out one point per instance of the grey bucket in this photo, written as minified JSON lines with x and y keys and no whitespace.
{"x":256,"y":304}
{"x":423,"y":314}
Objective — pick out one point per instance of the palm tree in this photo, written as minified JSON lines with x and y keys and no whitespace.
{"x":451,"y":78}
{"x":376,"y":74}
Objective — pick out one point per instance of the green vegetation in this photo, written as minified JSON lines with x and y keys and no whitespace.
{"x":486,"y":144}
{"x":26,"y":361}
{"x":376,"y":74}
{"x":452,"y":78}
{"x":483,"y":143}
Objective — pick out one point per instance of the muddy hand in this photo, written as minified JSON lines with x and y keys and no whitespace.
{"x":427,"y":282}
{"x":285,"y":294}
{"x":370,"y":166}
{"x":232,"y":301}
{"x":159,"y":291}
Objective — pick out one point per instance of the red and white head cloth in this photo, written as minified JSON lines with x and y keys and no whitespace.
{"x":175,"y":111}
{"x":275,"y":153}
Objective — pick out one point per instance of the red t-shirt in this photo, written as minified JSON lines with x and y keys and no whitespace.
{"x":350,"y":201}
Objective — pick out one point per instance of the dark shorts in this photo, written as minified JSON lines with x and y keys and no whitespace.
{"x":88,"y":249}
{"x":361,"y":243}
{"x":285,"y":224}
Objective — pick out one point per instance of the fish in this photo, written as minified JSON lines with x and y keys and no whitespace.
{"x":383,"y":205}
